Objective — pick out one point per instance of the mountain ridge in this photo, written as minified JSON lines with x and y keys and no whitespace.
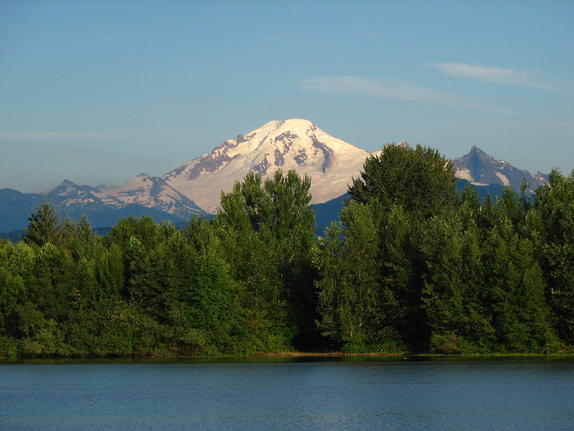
{"x":195,"y":186}
{"x":290,"y":144}
{"x":152,"y":197}
{"x":481,"y":169}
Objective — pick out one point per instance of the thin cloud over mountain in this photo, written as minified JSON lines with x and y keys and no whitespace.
{"x":520,"y":78}
{"x":392,"y":89}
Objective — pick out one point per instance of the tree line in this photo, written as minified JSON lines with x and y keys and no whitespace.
{"x":412,"y":265}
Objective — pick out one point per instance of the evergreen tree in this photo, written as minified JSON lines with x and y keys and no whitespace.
{"x":551,"y":226}
{"x":515,"y":291}
{"x":443,"y":283}
{"x":478,"y":330}
{"x":42,"y":227}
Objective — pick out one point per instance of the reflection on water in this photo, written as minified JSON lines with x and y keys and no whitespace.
{"x":269,"y":393}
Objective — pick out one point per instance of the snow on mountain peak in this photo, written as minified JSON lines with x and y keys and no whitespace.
{"x":295,"y":143}
{"x":480,"y":168}
{"x":152,"y":192}
{"x":289,"y":144}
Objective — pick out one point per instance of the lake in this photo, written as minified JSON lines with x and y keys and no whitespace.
{"x":521,"y":394}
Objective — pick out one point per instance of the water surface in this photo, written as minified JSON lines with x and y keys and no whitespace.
{"x":285,"y":395}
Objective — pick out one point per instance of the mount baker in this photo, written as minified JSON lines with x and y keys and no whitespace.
{"x":292,"y":144}
{"x":195,"y":187}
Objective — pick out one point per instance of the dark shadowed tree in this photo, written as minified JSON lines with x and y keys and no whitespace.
{"x":268,"y":230}
{"x":420,"y":180}
{"x":551,"y":224}
{"x":357,"y":304}
{"x":42,"y":226}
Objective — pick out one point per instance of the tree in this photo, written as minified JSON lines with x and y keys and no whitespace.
{"x":357,"y":304}
{"x":267,"y":229}
{"x":79,"y":237}
{"x":42,"y":227}
{"x":514,"y":291}
{"x":143,"y":229}
{"x":443,"y":281}
{"x":551,"y":226}
{"x":407,"y":186}
{"x":420,"y":180}
{"x":478,"y":329}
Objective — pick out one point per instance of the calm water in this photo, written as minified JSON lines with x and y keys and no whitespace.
{"x":332,"y":395}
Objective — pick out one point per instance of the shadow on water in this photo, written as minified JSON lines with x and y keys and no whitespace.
{"x":288,"y":359}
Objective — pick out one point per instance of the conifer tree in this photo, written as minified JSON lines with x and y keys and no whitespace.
{"x":42,"y":227}
{"x":551,"y":225}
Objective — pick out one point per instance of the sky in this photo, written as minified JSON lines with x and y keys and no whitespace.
{"x":99,"y":91}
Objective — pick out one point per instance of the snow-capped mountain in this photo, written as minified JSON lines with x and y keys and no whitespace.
{"x":481,"y":169}
{"x":69,"y":194}
{"x":144,"y":190}
{"x":196,"y":186}
{"x":142,"y":196}
{"x":151,"y":192}
{"x":292,"y":144}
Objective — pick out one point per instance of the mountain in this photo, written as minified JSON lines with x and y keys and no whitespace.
{"x":196,"y":186}
{"x":481,"y":169}
{"x":152,"y":192}
{"x":142,"y":196}
{"x":15,"y":207}
{"x":292,"y":144}
{"x":70,"y":197}
{"x":143,"y":191}
{"x":492,"y":190}
{"x":330,"y":162}
{"x":328,"y":212}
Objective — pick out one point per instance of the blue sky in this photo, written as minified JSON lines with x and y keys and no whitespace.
{"x":99,"y":91}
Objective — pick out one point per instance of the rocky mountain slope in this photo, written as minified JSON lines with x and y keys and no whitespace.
{"x":292,"y":144}
{"x":151,"y":192}
{"x":196,"y":186}
{"x":481,"y":169}
{"x":143,"y":195}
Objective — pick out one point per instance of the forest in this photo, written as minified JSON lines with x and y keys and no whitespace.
{"x":411,"y":266}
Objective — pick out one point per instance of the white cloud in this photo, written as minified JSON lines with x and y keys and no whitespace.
{"x":399,"y":90}
{"x":520,"y":78}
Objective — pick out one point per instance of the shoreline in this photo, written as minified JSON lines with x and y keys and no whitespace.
{"x":285,"y":356}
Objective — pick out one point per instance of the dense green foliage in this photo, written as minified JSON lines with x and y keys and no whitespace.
{"x":419,"y":180}
{"x":238,"y":283}
{"x":411,"y":265}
